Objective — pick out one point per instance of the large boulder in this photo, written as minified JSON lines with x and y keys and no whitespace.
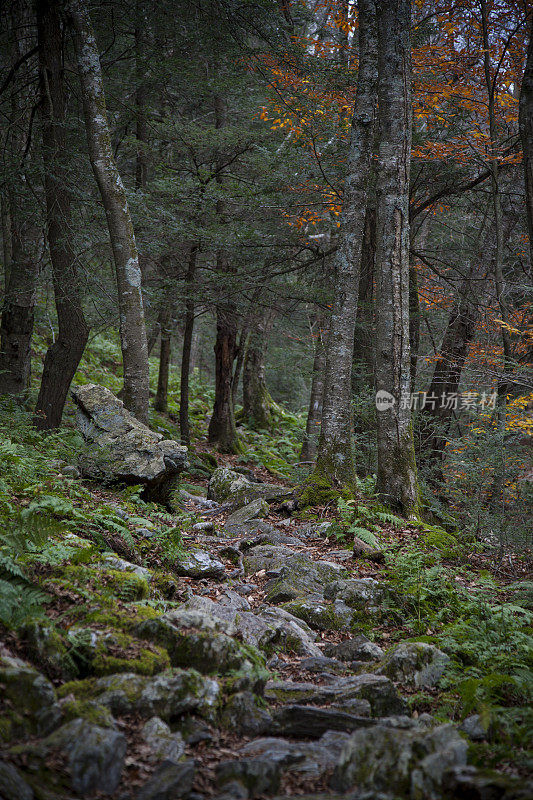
{"x":126,"y":450}
{"x":227,"y":486}
{"x":30,"y":700}
{"x":407,"y":763}
{"x":415,"y":664}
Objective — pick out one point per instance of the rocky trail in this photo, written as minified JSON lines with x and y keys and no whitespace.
{"x":250,"y":677}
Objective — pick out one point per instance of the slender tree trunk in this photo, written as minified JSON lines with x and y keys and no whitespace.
{"x":161,"y":398}
{"x":257,"y":402}
{"x":222,"y":430}
{"x":397,"y":479}
{"x":335,"y":457}
{"x":141,"y":124}
{"x":239,"y":360}
{"x":128,"y":273}
{"x":526,"y":134}
{"x":314,"y":413}
{"x":63,"y":357}
{"x":185,"y":431}
{"x":363,"y":351}
{"x":7,"y":246}
{"x":16,"y":325}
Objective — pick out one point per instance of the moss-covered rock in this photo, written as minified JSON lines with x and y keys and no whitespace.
{"x":119,"y":652}
{"x":46,"y":645}
{"x":415,"y":664}
{"x":29,"y":703}
{"x":227,"y":486}
{"x":322,"y":616}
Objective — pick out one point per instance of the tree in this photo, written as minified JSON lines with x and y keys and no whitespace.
{"x":397,"y":479}
{"x":64,"y":355}
{"x":314,"y":412}
{"x":257,"y":402}
{"x":526,"y":135}
{"x":22,"y":223}
{"x":335,"y":456}
{"x":114,"y":199}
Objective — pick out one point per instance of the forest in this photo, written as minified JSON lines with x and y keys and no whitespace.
{"x":266,"y":399}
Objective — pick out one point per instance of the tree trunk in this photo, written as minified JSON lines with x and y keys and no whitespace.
{"x":239,"y":360}
{"x":185,"y":431}
{"x":161,"y":398}
{"x":397,"y":479}
{"x":128,"y":273}
{"x":335,"y":456}
{"x":222,"y":430}
{"x":63,"y":357}
{"x":16,"y":326}
{"x":141,"y":124}
{"x":363,"y":351}
{"x":257,"y":403}
{"x":314,"y":414}
{"x":525,"y":118}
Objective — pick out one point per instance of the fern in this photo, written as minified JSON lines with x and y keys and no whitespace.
{"x":365,"y":535}
{"x":19,"y":602}
{"x":389,"y":519}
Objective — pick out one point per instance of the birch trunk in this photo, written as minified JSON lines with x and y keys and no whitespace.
{"x":126,"y":258}
{"x":335,"y":448}
{"x":397,"y":479}
{"x":63,"y":357}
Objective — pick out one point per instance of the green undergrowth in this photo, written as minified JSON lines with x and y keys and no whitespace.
{"x":487,"y":635}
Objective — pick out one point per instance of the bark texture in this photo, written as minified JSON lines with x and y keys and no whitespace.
{"x":186,"y":355}
{"x":63,"y":357}
{"x":257,"y":402}
{"x":314,"y":413}
{"x":16,"y":326}
{"x":525,"y":119}
{"x":397,"y":479}
{"x":126,"y":258}
{"x":335,"y":448}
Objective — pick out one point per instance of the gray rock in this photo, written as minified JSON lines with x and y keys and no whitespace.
{"x":313,"y":721}
{"x":169,"y":781}
{"x":168,"y":695}
{"x":257,"y":509}
{"x":474,"y":728}
{"x":33,"y":706}
{"x":205,"y":650}
{"x":287,"y":633}
{"x":408,"y":763}
{"x":321,"y":664}
{"x":468,"y":783}
{"x":199,"y":564}
{"x":257,"y":775}
{"x":12,"y":786}
{"x":243,"y":715}
{"x":164,"y":743}
{"x":376,"y":689}
{"x":227,"y":486}
{"x":415,"y":664}
{"x":45,"y":646}
{"x":126,"y":450}
{"x":204,"y":527}
{"x":95,"y":756}
{"x":358,"y":593}
{"x":321,"y":616}
{"x":310,"y":759}
{"x":71,"y":471}
{"x":121,"y":565}
{"x":298,"y":576}
{"x":358,"y":648}
{"x":263,"y":533}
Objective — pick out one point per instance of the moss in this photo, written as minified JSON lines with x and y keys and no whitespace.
{"x":89,"y":710}
{"x":318,"y":490}
{"x":165,"y":584}
{"x":119,"y":652}
{"x":320,"y":617}
{"x":127,"y":585}
{"x":82,"y":690}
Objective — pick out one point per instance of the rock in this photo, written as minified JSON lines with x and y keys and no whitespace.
{"x":45,"y":646}
{"x":242,"y":715}
{"x":407,"y":763}
{"x":366,"y":551}
{"x":121,"y":565}
{"x":321,"y":616}
{"x":199,"y":564}
{"x":377,"y":690}
{"x":227,"y":486}
{"x":169,"y":695}
{"x":267,"y":534}
{"x":298,"y":575}
{"x":126,"y":450}
{"x":32,"y":702}
{"x":415,"y":664}
{"x":474,"y":728}
{"x":169,"y":781}
{"x":321,"y":665}
{"x":361,"y":594}
{"x":358,"y":648}
{"x":205,"y":650}
{"x":71,"y":471}
{"x":287,"y":633}
{"x":12,"y":786}
{"x":203,"y":527}
{"x":304,"y":760}
{"x":164,"y":743}
{"x":312,"y":721}
{"x":255,"y":510}
{"x":95,"y":756}
{"x":257,"y":775}
{"x":468,"y":783}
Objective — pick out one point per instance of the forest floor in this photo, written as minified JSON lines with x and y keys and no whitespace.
{"x":113,"y":567}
